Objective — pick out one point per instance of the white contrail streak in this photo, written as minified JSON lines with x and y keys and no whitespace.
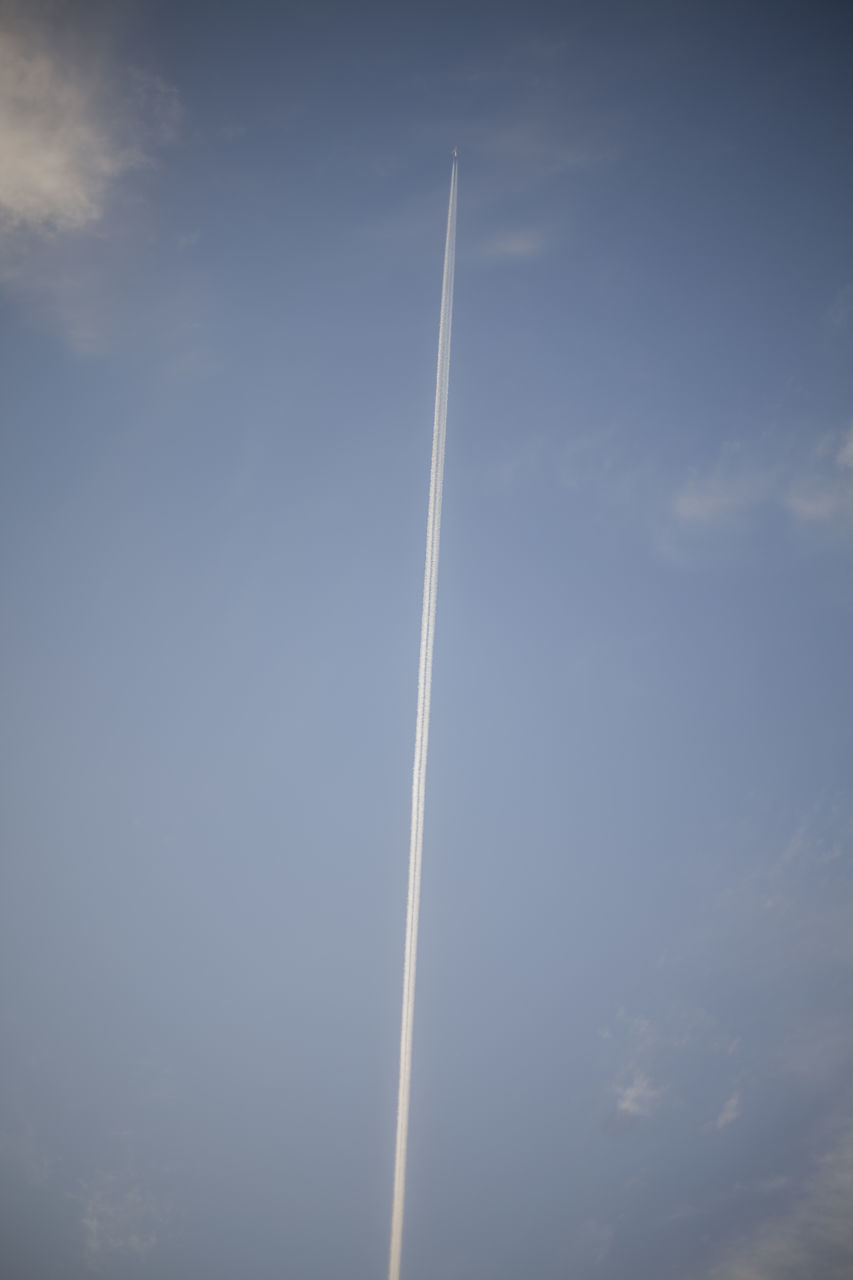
{"x":436,"y":484}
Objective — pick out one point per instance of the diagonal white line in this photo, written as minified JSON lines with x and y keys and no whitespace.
{"x":436,"y":485}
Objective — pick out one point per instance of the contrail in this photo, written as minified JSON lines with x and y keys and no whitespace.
{"x":436,"y":485}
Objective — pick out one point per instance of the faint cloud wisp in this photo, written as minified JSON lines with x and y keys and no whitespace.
{"x":815,"y":1237}
{"x":638,"y":1097}
{"x":729,"y":1112}
{"x":815,"y":488}
{"x":120,"y":1218}
{"x":514,"y":244}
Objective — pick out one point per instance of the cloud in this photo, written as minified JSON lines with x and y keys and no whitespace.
{"x":67,"y":131}
{"x":820,"y":505}
{"x":730,"y":487}
{"x":826,"y":495}
{"x":120,"y":1218}
{"x":73,"y":122}
{"x":514,"y":244}
{"x":844,"y":456}
{"x":804,"y":482}
{"x":638,"y":1097}
{"x":56,"y":160}
{"x":815,"y":1235}
{"x":813,"y":487}
{"x":729,"y":1113}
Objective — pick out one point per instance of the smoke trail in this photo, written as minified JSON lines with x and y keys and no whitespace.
{"x":436,"y":485}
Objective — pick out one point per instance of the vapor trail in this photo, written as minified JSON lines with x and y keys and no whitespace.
{"x":436,"y":485}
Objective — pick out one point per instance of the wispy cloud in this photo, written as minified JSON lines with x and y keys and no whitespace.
{"x":57,"y":158}
{"x":73,"y":123}
{"x":803,"y":482}
{"x":729,"y":1112}
{"x":814,"y":487}
{"x":815,"y":1235}
{"x":120,"y":1218}
{"x":844,"y":456}
{"x":825,"y":494}
{"x":68,"y":130}
{"x":514,"y":244}
{"x":720,"y":494}
{"x":785,"y":926}
{"x":638,"y":1097}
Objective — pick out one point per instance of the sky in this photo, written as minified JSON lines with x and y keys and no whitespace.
{"x":221,"y":239}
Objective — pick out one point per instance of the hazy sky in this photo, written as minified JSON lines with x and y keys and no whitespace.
{"x":221,"y":235}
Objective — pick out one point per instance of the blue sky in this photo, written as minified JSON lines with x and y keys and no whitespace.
{"x":221,"y":233}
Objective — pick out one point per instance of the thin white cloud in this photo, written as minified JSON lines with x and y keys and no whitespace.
{"x":814,"y":488}
{"x":729,"y":1112}
{"x":808,"y":481}
{"x":637,"y":1098}
{"x":514,"y":244}
{"x":826,"y":495}
{"x":721,"y":493}
{"x":816,"y":505}
{"x":120,"y":1218}
{"x":844,"y":457}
